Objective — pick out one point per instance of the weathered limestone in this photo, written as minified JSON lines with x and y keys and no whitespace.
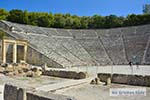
{"x":14,"y":92}
{"x":10,"y":92}
{"x":44,"y":67}
{"x":137,"y":80}
{"x":25,"y":52}
{"x":96,"y":81}
{"x":36,"y":72}
{"x":15,"y":53}
{"x":93,"y":82}
{"x":15,"y":43}
{"x":66,"y":74}
{"x":103,"y":76}
{"x":63,"y":47}
{"x":108,"y":81}
{"x":3,"y":52}
{"x":30,"y":74}
{"x":21,"y":69}
{"x":2,"y":69}
{"x":34,"y":57}
{"x":21,"y":94}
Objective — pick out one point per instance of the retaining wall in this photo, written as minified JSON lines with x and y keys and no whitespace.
{"x":137,"y":80}
{"x":12,"y":92}
{"x":36,"y":58}
{"x":66,"y":74}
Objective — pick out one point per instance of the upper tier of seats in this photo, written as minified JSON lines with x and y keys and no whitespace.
{"x":70,"y":47}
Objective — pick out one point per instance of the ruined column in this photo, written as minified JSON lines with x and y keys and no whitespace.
{"x":108,"y":81}
{"x":14,"y":53}
{"x":25,"y":52}
{"x":3,"y":51}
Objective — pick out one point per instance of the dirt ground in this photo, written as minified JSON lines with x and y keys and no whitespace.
{"x":28,"y":82}
{"x":83,"y":91}
{"x":101,"y":92}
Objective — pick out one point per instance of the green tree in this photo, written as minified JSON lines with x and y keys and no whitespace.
{"x":145,"y":19}
{"x":113,"y":21}
{"x":16,"y":16}
{"x":72,"y":21}
{"x":25,"y":17}
{"x":69,"y":22}
{"x":84,"y":22}
{"x":132,"y":20}
{"x":146,"y":9}
{"x":33,"y":18}
{"x":51,"y":19}
{"x":3,"y":14}
{"x":96,"y":21}
{"x":76,"y":22}
{"x":59,"y":21}
{"x":46,"y":20}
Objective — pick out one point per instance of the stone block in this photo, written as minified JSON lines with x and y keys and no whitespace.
{"x":93,"y":82}
{"x":147,"y":80}
{"x":10,"y":92}
{"x":21,"y":94}
{"x":9,"y":74}
{"x":81,"y":75}
{"x":9,"y":69}
{"x":66,"y":74}
{"x":108,"y":81}
{"x":37,"y":73}
{"x":122,"y":79}
{"x":136,"y":80}
{"x":104,"y":76}
{"x":30,"y":74}
{"x":2,"y":69}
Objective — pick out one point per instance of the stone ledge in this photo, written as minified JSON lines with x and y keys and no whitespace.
{"x":137,"y":80}
{"x":66,"y":74}
{"x":13,"y":92}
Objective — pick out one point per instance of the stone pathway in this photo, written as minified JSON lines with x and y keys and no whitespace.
{"x":63,"y":85}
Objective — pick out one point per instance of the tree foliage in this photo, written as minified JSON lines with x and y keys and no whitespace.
{"x":45,"y":21}
{"x":16,"y":15}
{"x":59,"y":20}
{"x":96,"y":21}
{"x":146,"y":9}
{"x":3,"y":14}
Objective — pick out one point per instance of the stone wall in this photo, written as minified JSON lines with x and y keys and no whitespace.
{"x":33,"y":56}
{"x":4,"y":25}
{"x":10,"y":92}
{"x":36,"y":58}
{"x":116,"y":46}
{"x":137,"y":80}
{"x":66,"y":74}
{"x":13,"y":92}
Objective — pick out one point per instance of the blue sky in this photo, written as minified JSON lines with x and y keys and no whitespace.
{"x":78,"y":7}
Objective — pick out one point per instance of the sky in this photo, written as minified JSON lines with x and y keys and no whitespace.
{"x":78,"y":7}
